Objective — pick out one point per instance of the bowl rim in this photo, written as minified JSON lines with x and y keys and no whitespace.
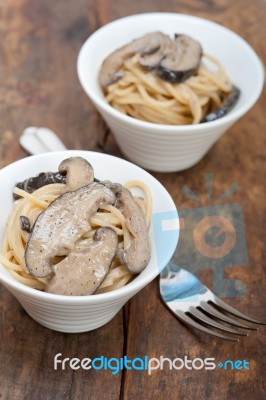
{"x":131,"y":288}
{"x":230,"y":118}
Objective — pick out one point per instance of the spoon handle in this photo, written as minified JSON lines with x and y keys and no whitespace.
{"x":40,"y":140}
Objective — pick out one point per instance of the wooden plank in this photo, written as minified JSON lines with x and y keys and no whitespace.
{"x":27,"y":354}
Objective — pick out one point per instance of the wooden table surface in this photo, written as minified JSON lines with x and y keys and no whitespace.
{"x":40,"y":41}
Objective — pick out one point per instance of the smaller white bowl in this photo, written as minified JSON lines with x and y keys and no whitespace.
{"x":84,"y":313}
{"x":169,"y":148}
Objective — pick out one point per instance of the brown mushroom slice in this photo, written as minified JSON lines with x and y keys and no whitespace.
{"x":64,"y":221}
{"x":29,"y":185}
{"x":148,"y":44}
{"x":24,"y":223}
{"x":183,"y":62}
{"x":227,"y":105}
{"x":75,"y":172}
{"x":137,"y":254}
{"x":85,"y":268}
{"x":78,"y":171}
{"x":152,"y":59}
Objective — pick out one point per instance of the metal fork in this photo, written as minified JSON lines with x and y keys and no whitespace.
{"x":195,"y":305}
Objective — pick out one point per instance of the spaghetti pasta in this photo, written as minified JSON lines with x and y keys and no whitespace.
{"x":142,"y":94}
{"x":31,"y":205}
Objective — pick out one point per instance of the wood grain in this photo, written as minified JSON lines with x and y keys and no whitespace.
{"x":39,"y":86}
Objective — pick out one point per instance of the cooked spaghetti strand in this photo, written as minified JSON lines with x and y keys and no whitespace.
{"x":143,"y":95}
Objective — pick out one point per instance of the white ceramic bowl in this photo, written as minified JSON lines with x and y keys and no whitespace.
{"x":84,"y":313}
{"x":165,"y":147}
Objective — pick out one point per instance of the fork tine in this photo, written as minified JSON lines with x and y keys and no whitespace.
{"x":215,"y":313}
{"x":202,"y":317}
{"x":189,"y":321}
{"x":233,"y":311}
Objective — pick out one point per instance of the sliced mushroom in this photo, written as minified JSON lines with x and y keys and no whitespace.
{"x":182,"y":61}
{"x":64,"y":221}
{"x":152,"y":44}
{"x":227,"y":106}
{"x":75,"y":172}
{"x":152,"y":59}
{"x":84,"y":269}
{"x":36,"y":182}
{"x":173,"y":61}
{"x":78,"y":171}
{"x":25,"y":223}
{"x":136,"y":255}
